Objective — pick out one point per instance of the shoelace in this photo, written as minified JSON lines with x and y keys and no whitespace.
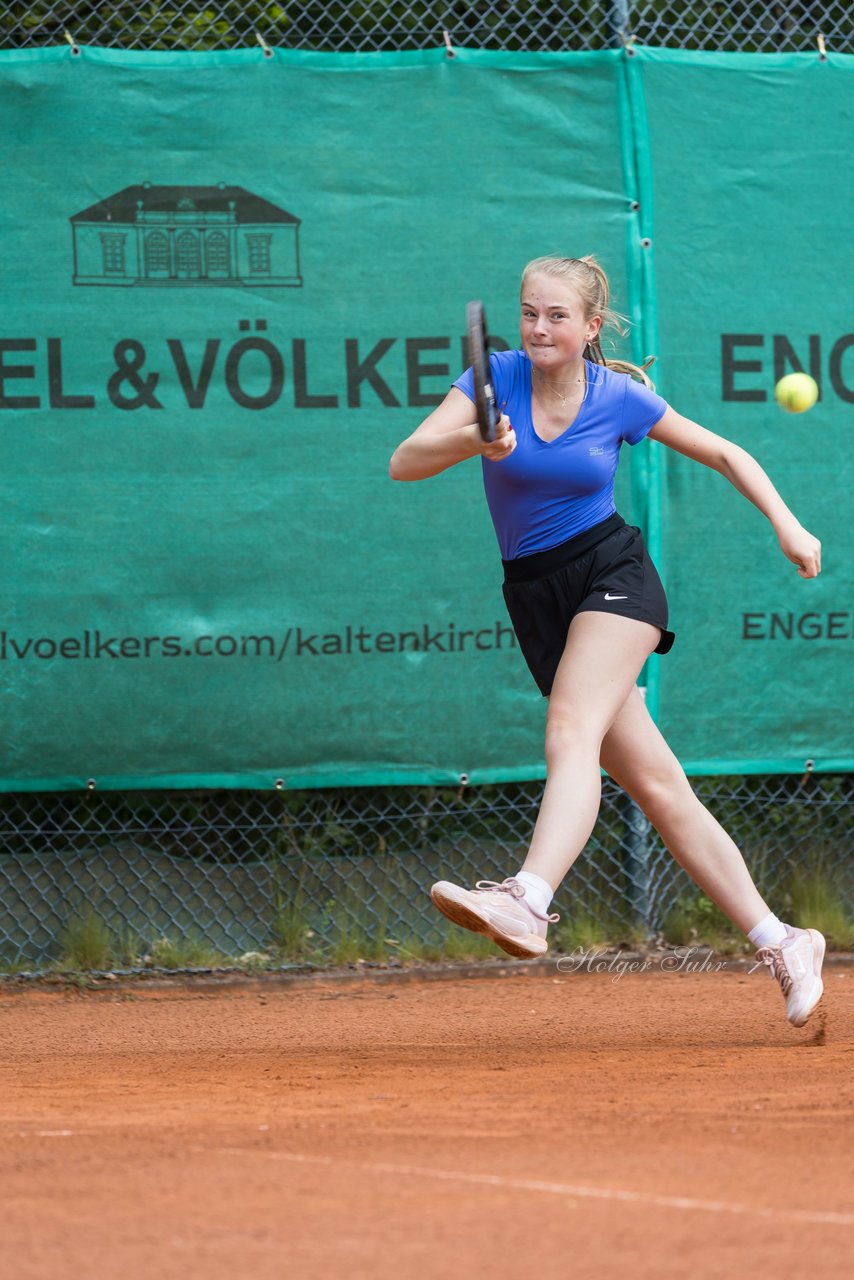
{"x":773,"y":957}
{"x":516,"y":890}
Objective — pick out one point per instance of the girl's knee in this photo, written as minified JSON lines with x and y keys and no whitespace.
{"x":567,"y":734}
{"x":661,"y":791}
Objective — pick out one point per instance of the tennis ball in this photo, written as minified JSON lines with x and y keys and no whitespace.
{"x":796,"y":393}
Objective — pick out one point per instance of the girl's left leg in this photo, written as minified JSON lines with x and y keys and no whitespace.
{"x":636,"y":755}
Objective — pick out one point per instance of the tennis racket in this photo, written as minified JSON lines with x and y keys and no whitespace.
{"x":478,"y":339}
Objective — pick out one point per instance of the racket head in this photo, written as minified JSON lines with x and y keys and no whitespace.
{"x":478,"y":347}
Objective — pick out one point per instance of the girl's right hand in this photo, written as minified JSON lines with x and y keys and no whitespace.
{"x":504,"y":443}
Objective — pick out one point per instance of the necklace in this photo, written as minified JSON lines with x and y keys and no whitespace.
{"x":554,"y":387}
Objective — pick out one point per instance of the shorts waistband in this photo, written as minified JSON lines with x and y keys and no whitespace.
{"x":541,"y":563}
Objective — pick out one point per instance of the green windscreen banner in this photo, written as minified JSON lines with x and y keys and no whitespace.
{"x":232,"y":283}
{"x":752,"y":187}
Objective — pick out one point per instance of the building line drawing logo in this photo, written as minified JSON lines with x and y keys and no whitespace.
{"x":192,"y":236}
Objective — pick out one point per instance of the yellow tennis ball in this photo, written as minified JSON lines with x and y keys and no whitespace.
{"x":796,"y":393}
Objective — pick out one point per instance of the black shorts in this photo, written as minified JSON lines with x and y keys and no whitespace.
{"x":606,"y":569}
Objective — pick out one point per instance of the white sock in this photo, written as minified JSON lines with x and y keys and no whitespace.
{"x":538,"y":892}
{"x":770,"y":932}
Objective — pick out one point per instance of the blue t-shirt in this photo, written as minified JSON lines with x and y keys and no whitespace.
{"x":548,"y":491}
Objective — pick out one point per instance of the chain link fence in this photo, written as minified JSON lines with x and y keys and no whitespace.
{"x":350,"y":26}
{"x":326,"y":874}
{"x":335,"y":875}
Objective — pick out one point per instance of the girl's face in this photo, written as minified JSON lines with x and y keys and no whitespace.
{"x":553,"y":327}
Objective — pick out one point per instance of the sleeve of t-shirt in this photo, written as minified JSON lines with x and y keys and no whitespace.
{"x":500,"y":369}
{"x":465,"y":382}
{"x":642,"y":408}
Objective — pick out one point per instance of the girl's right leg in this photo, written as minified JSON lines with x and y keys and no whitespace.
{"x":600,"y":663}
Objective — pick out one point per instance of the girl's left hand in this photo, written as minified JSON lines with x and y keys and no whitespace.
{"x":801,"y":548}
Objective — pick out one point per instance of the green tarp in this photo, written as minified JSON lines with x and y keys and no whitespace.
{"x":232,"y":283}
{"x":752,"y":186}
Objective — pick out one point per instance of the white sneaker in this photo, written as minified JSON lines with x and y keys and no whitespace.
{"x":796,"y":964}
{"x":498,"y":910}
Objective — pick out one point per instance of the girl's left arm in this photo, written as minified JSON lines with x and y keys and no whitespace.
{"x":744,"y":472}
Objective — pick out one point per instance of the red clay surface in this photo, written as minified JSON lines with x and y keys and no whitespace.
{"x":520,"y":1126}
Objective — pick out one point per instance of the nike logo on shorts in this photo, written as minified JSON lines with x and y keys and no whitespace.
{"x":610,"y":597}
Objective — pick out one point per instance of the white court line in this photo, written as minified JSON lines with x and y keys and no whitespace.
{"x":517,"y":1184}
{"x":47,"y":1133}
{"x":558,"y":1188}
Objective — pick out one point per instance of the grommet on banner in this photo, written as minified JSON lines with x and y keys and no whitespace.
{"x":464,"y":781}
{"x":280,"y":784}
{"x":822,"y":48}
{"x":75,"y":47}
{"x":646,"y":243}
{"x":634,"y":206}
{"x":628,"y":44}
{"x":91,"y":784}
{"x":809,"y":768}
{"x":268,"y":52}
{"x":449,"y":48}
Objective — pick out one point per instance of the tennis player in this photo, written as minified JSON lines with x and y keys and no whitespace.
{"x":588,"y":607}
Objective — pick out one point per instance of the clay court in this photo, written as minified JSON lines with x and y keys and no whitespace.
{"x":528,"y":1122}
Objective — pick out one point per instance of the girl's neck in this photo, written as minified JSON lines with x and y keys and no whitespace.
{"x":564,"y":386}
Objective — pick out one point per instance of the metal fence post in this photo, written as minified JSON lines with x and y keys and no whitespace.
{"x":618,"y":22}
{"x":636,"y":848}
{"x":636,"y":854}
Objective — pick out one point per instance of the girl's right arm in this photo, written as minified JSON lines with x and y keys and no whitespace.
{"x":448,"y":436}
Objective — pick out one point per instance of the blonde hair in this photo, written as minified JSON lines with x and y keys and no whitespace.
{"x":589,"y":281}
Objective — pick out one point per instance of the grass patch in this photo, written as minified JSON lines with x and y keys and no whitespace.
{"x":696,"y":921}
{"x":585,"y":930}
{"x":352,"y":939}
{"x":189,"y":952}
{"x":816,"y":903}
{"x":291,"y":936}
{"x":127,"y":948}
{"x":452,"y":945}
{"x":347,"y":932}
{"x":87,"y":942}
